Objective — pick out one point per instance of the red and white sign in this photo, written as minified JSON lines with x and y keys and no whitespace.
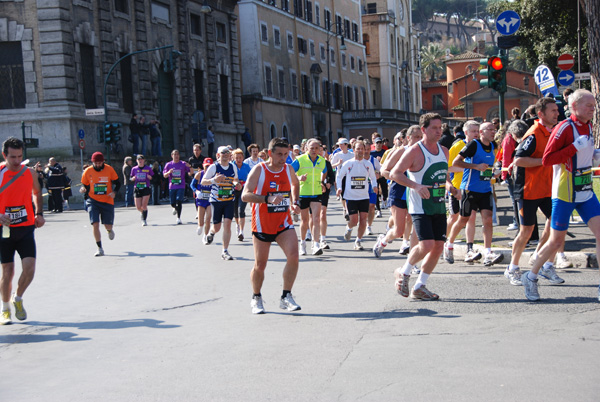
{"x":566,"y":61}
{"x":81,"y":144}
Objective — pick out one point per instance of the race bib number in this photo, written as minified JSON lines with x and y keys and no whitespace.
{"x":100,"y":188}
{"x":204,"y":194}
{"x":582,"y":179}
{"x":358,"y":182}
{"x":140,"y":185}
{"x":438,"y":192}
{"x":225,"y":192}
{"x":486,"y":175}
{"x":17,"y":214}
{"x":283,"y":207}
{"x":176,"y":177}
{"x":141,"y":176}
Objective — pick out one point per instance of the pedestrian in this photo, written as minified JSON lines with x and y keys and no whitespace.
{"x":101,"y":183}
{"x":55,"y":185}
{"x":127,"y":166}
{"x":210,"y":140}
{"x":273,"y":189}
{"x":223,"y":179}
{"x":67,"y":192}
{"x":21,"y":212}
{"x":134,"y":128}
{"x":141,"y":175}
{"x":196,"y":161}
{"x":155,"y":139}
{"x":570,"y":151}
{"x":176,"y":171}
{"x":426,"y":168}
{"x":144,"y":133}
{"x":247,"y":140}
{"x":253,"y":159}
{"x":156,"y":182}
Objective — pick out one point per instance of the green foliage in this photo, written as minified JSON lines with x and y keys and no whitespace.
{"x":432,"y":60}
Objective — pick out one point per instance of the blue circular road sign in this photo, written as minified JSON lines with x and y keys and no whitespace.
{"x":566,"y":78}
{"x":81,"y":134}
{"x":508,"y":22}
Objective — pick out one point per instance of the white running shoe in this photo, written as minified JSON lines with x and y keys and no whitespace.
{"x":100,"y":252}
{"x":530,"y":287}
{"x":317,"y":250}
{"x":472,"y":255}
{"x":348,"y":234}
{"x":378,"y":214}
{"x":174,"y":211}
{"x":415,"y":270}
{"x":514,"y":277}
{"x":369,"y":231}
{"x":199,"y":230}
{"x":257,"y":305}
{"x":358,"y":245}
{"x":288,"y":303}
{"x":205,"y":240}
{"x":549,"y":273}
{"x":111,"y":234}
{"x":562,"y":262}
{"x":512,"y":226}
{"x":178,"y":221}
{"x":226,"y":256}
{"x":492,"y":258}
{"x":302,"y":248}
{"x":378,"y":247}
{"x":144,"y":223}
{"x":449,"y":255}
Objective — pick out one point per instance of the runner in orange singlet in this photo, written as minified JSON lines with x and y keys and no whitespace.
{"x":19,"y":219}
{"x":272,"y":188}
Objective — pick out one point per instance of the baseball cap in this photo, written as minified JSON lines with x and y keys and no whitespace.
{"x":343,"y":141}
{"x":223,"y":150}
{"x":97,"y":157}
{"x":378,"y":139}
{"x":207,"y":161}
{"x":296,"y":146}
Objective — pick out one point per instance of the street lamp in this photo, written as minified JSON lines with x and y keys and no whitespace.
{"x":338,"y":32}
{"x":205,"y":9}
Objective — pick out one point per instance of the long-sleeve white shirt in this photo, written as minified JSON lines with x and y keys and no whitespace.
{"x":356,"y":173}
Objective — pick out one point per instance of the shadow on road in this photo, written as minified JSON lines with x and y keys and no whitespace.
{"x":36,"y":338}
{"x":375,"y":315}
{"x":134,"y":254}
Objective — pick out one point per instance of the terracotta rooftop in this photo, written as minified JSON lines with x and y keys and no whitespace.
{"x":434,"y":84}
{"x":468,"y":55}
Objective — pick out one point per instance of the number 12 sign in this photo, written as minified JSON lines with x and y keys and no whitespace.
{"x":545,"y":80}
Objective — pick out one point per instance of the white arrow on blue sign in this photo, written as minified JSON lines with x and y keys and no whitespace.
{"x":508,"y":22}
{"x":566,"y":78}
{"x":81,"y":133}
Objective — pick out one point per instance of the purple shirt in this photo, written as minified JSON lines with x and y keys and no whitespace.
{"x":141,"y":176}
{"x":177,"y":177}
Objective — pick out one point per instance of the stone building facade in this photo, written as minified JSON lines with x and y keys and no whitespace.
{"x":298,"y":74}
{"x":55,"y":56}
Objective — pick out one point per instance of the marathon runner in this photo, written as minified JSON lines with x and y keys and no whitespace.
{"x":141,"y":175}
{"x":357,"y":173}
{"x":570,"y":151}
{"x":273,"y":188}
{"x":202,"y":197}
{"x":21,"y":212}
{"x":175,"y":171}
{"x":427,"y":166}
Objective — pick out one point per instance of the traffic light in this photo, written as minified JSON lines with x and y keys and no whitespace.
{"x":116,"y":132}
{"x":170,"y":64}
{"x":100,"y":134}
{"x":495,"y":73}
{"x":108,"y":133}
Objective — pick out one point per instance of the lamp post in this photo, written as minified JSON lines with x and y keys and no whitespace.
{"x":468,"y":70}
{"x":406,"y":67}
{"x":338,"y":32}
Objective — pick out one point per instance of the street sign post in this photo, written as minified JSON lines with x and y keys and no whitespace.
{"x":81,"y":134}
{"x":566,"y":78}
{"x":566,"y":61}
{"x":583,"y":77}
{"x":508,"y":22}
{"x":94,"y":112}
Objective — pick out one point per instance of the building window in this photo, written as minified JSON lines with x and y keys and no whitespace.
{"x":224,"y":80}
{"x":450,"y":88}
{"x":337,"y":96}
{"x":199,"y":88}
{"x":305,"y":88}
{"x":348,"y":96}
{"x":323,"y":54}
{"x":290,"y":42}
{"x":351,"y":62}
{"x":366,"y":43}
{"x":347,"y":32}
{"x":392,"y":47}
{"x":302,"y":45}
{"x":393,"y":87}
{"x":316,"y":88}
{"x":285,"y":5}
{"x":195,"y":24}
{"x":355,"y":32}
{"x":284,"y":130}
{"x":332,"y":57}
{"x":338,"y":23}
{"x":277,"y":38}
{"x":309,"y":11}
{"x":438,"y":103}
{"x":327,"y":17}
{"x":126,"y":83}
{"x":374,"y":97}
{"x":294,"y":81}
{"x":221,"y":32}
{"x":364,"y":97}
{"x":121,"y":6}
{"x":87,"y":74}
{"x":264,"y":33}
{"x":273,"y":131}
{"x":356,"y":107}
{"x":161,"y":11}
{"x":298,"y":7}
{"x":327,"y":93}
{"x":281,"y":77}
{"x":371,"y":8}
{"x":343,"y":60}
{"x":12,"y":76}
{"x":269,"y":80}
{"x":360,"y":65}
{"x":311,"y":46}
{"x":317,"y":15}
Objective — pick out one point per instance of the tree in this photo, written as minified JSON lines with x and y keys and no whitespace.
{"x":432,"y":60}
{"x":592,"y":12}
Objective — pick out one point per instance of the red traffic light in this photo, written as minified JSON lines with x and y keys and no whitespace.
{"x":496,"y":63}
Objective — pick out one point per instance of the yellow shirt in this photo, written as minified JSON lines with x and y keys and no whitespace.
{"x":454,"y":151}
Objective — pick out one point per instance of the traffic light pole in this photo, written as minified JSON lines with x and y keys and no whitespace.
{"x":106,"y":84}
{"x":501,"y":109}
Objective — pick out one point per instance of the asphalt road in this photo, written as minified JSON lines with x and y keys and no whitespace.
{"x":162,"y":318}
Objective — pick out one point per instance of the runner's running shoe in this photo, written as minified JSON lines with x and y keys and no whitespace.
{"x":530,"y":287}
{"x":550,"y":274}
{"x":514,"y":277}
{"x":424,"y":294}
{"x":448,"y":255}
{"x":492,"y":258}
{"x":100,"y":252}
{"x":472,"y":256}
{"x":358,"y":245}
{"x":257,"y":305}
{"x":5,"y":318}
{"x":288,"y":303}
{"x":402,"y":282}
{"x":20,"y":312}
{"x":378,"y":247}
{"x":111,"y":234}
{"x":226,"y":256}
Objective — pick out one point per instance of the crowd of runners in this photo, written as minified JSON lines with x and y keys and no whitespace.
{"x":434,"y":192}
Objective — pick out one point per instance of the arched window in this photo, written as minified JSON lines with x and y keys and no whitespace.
{"x":284,"y":130}
{"x":273,"y":131}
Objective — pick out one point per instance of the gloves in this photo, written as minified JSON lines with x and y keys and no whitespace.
{"x":581,"y":142}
